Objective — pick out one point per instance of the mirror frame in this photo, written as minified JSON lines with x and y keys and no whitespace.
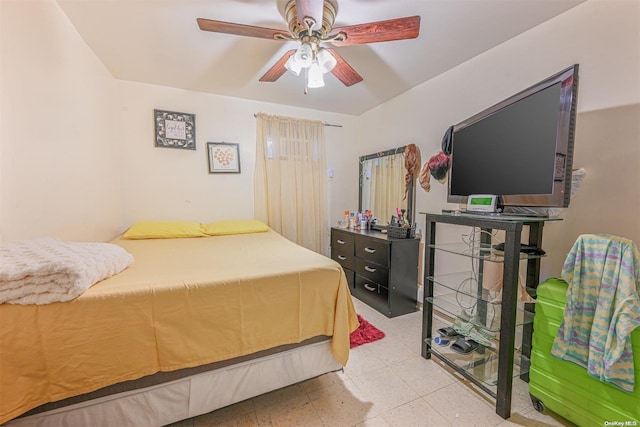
{"x":410,"y":193}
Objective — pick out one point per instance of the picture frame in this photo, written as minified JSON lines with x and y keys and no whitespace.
{"x":174,"y":129}
{"x":223,"y":157}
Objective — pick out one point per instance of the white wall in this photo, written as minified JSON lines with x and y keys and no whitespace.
{"x":77,"y":154}
{"x":602,"y":36}
{"x":58,"y":170}
{"x":609,"y":199}
{"x":174,"y":184}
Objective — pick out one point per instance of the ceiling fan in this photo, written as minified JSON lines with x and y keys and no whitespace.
{"x":311,"y":24}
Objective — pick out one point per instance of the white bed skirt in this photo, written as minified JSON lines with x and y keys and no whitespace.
{"x":195,"y":395}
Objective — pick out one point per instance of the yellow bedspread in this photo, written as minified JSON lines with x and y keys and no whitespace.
{"x":183,"y":303}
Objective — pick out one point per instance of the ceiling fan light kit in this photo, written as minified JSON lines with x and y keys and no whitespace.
{"x":314,"y":76}
{"x":315,"y":59}
{"x":325,"y":60}
{"x":293,"y":66}
{"x":310,"y":31}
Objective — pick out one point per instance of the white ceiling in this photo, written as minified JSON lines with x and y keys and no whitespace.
{"x":159,"y":42}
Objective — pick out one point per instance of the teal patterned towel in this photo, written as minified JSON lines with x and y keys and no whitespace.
{"x":603,"y":308}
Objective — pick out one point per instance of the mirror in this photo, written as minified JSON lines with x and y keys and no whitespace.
{"x":382,"y":181}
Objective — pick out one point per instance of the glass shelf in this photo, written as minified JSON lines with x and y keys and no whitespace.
{"x":461,"y":299}
{"x":505,"y":217}
{"x":480,"y":313}
{"x":482,"y":251}
{"x":467,"y":283}
{"x":481,"y":364}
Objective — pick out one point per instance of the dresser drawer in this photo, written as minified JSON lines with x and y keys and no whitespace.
{"x":372,"y":271}
{"x":373,"y":294}
{"x":346,"y":259}
{"x":372,"y":250}
{"x":342,"y":242}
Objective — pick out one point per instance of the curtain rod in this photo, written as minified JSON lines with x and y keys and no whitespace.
{"x":324,"y":123}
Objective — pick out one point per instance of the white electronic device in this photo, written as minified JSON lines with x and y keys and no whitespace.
{"x":482,"y":203}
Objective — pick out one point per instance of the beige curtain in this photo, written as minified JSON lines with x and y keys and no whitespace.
{"x":290,"y":180}
{"x":387,"y":187}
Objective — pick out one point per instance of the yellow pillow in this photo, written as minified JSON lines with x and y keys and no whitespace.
{"x":242,"y":226}
{"x":164,"y":230}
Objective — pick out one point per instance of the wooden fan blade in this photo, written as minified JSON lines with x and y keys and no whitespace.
{"x":312,"y":8}
{"x":381,"y":31}
{"x":343,"y":71}
{"x":238,"y":29}
{"x":278,"y":69}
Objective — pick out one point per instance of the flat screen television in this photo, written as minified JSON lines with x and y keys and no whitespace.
{"x":520,"y":149}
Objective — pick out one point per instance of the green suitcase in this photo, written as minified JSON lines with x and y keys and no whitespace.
{"x":566,"y":388}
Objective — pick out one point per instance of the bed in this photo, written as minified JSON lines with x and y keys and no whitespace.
{"x":195,"y":324}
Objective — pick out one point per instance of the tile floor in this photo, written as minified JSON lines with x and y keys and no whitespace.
{"x":385,"y":383}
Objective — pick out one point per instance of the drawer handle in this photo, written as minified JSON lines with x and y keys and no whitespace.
{"x":342,"y":242}
{"x":369,"y":287}
{"x":369,"y":269}
{"x":342,"y":257}
{"x":369,"y":250}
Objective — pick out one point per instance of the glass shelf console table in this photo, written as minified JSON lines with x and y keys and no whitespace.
{"x":497,"y":315}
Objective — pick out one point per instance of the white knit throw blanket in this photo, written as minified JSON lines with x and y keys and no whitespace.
{"x":46,"y":270}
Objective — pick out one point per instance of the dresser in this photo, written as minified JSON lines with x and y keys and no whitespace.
{"x":381,"y":271}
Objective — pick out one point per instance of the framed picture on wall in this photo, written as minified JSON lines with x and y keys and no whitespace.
{"x":175,"y":130}
{"x":224,"y":157}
